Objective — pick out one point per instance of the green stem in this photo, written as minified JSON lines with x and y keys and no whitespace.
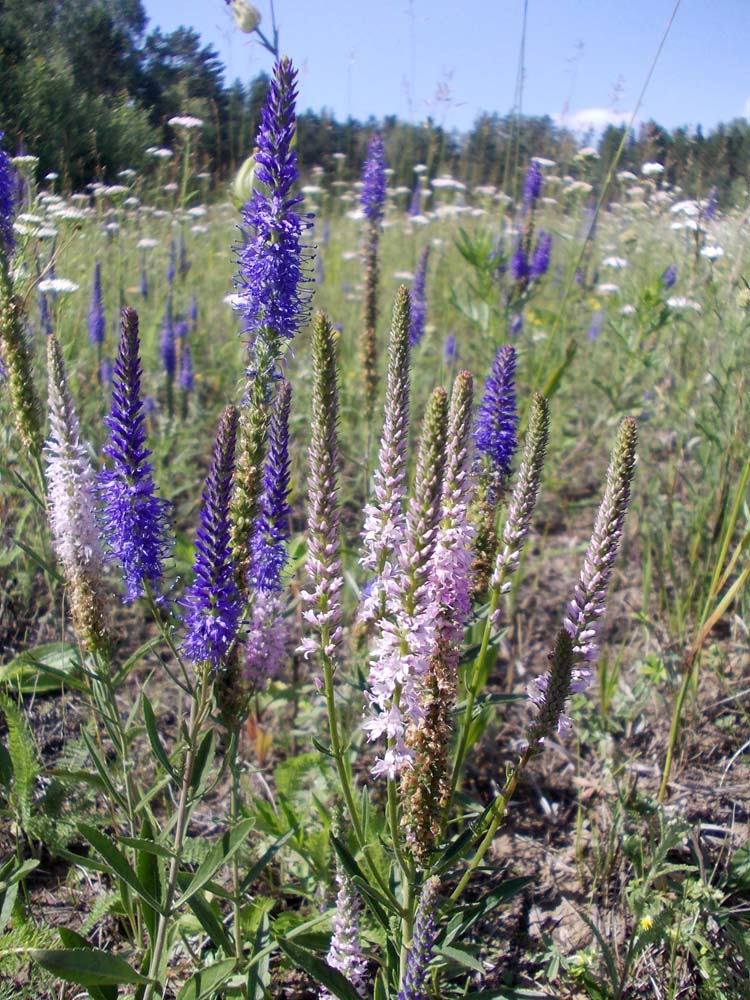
{"x":497,"y":813}
{"x":234,"y":809}
{"x":478,"y":670}
{"x":345,"y":777}
{"x":198,"y":712}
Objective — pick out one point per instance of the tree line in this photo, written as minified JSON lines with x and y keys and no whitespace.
{"x":86,"y":88}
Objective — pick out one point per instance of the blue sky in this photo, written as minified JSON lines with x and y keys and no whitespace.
{"x":585,"y":61}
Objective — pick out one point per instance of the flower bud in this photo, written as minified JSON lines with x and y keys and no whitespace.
{"x":246,"y":16}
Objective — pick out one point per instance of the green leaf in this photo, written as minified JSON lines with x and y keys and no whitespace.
{"x":149,"y":846}
{"x":205,"y":981}
{"x":148,"y":869}
{"x":154,"y":739}
{"x":229,"y":844}
{"x":208,"y":916}
{"x":202,"y":762}
{"x":43,"y":669}
{"x":72,"y":940}
{"x":101,"y":768}
{"x":258,"y":976}
{"x":259,"y":865}
{"x":134,"y":660}
{"x":87,"y":967}
{"x":10,"y":881}
{"x":374,"y":900}
{"x":462,"y":957}
{"x":320,"y":971}
{"x":118,"y":863}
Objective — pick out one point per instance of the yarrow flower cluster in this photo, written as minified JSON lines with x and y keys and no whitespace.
{"x":133,"y":518}
{"x":212,"y":601}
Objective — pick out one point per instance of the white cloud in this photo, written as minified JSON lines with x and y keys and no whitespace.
{"x":592,"y":119}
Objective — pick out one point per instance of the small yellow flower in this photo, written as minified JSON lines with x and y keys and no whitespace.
{"x":646,"y":923}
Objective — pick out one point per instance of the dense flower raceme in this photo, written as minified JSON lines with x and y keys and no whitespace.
{"x":133,"y":517}
{"x":96,"y":320}
{"x":413,"y":985}
{"x":187,"y":375}
{"x":7,"y":211}
{"x":404,"y":636}
{"x":425,"y":788}
{"x":524,"y":496}
{"x":519,"y":268}
{"x":71,"y":498}
{"x":419,"y":299}
{"x":450,"y":567}
{"x":167,"y":342}
{"x":212,"y":601}
{"x":345,"y":951}
{"x":577,"y":649}
{"x":372,"y":198}
{"x":385,"y":524}
{"x":71,"y":478}
{"x":271,"y":274}
{"x":497,"y":419}
{"x":540,"y":258}
{"x":323,"y":601}
{"x":532,"y":186}
{"x":271,"y":531}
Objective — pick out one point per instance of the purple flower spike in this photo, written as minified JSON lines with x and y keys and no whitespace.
{"x":212,"y":601}
{"x":597,"y":325}
{"x":519,"y":268}
{"x":271,"y":276}
{"x":172,"y":265}
{"x":97,"y":321}
{"x":419,"y":299}
{"x":413,"y":985}
{"x":187,"y":375}
{"x":669,"y":278}
{"x":144,"y":281}
{"x":45,"y":317}
{"x":541,"y":256}
{"x":373,"y":181}
{"x":532,"y":186}
{"x":133,"y":517}
{"x":416,"y":200}
{"x":450,"y":349}
{"x":272,"y":526}
{"x":168,"y":348}
{"x":7,"y":210}
{"x":497,"y":419}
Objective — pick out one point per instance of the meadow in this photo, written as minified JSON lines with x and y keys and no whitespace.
{"x":202,"y":799}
